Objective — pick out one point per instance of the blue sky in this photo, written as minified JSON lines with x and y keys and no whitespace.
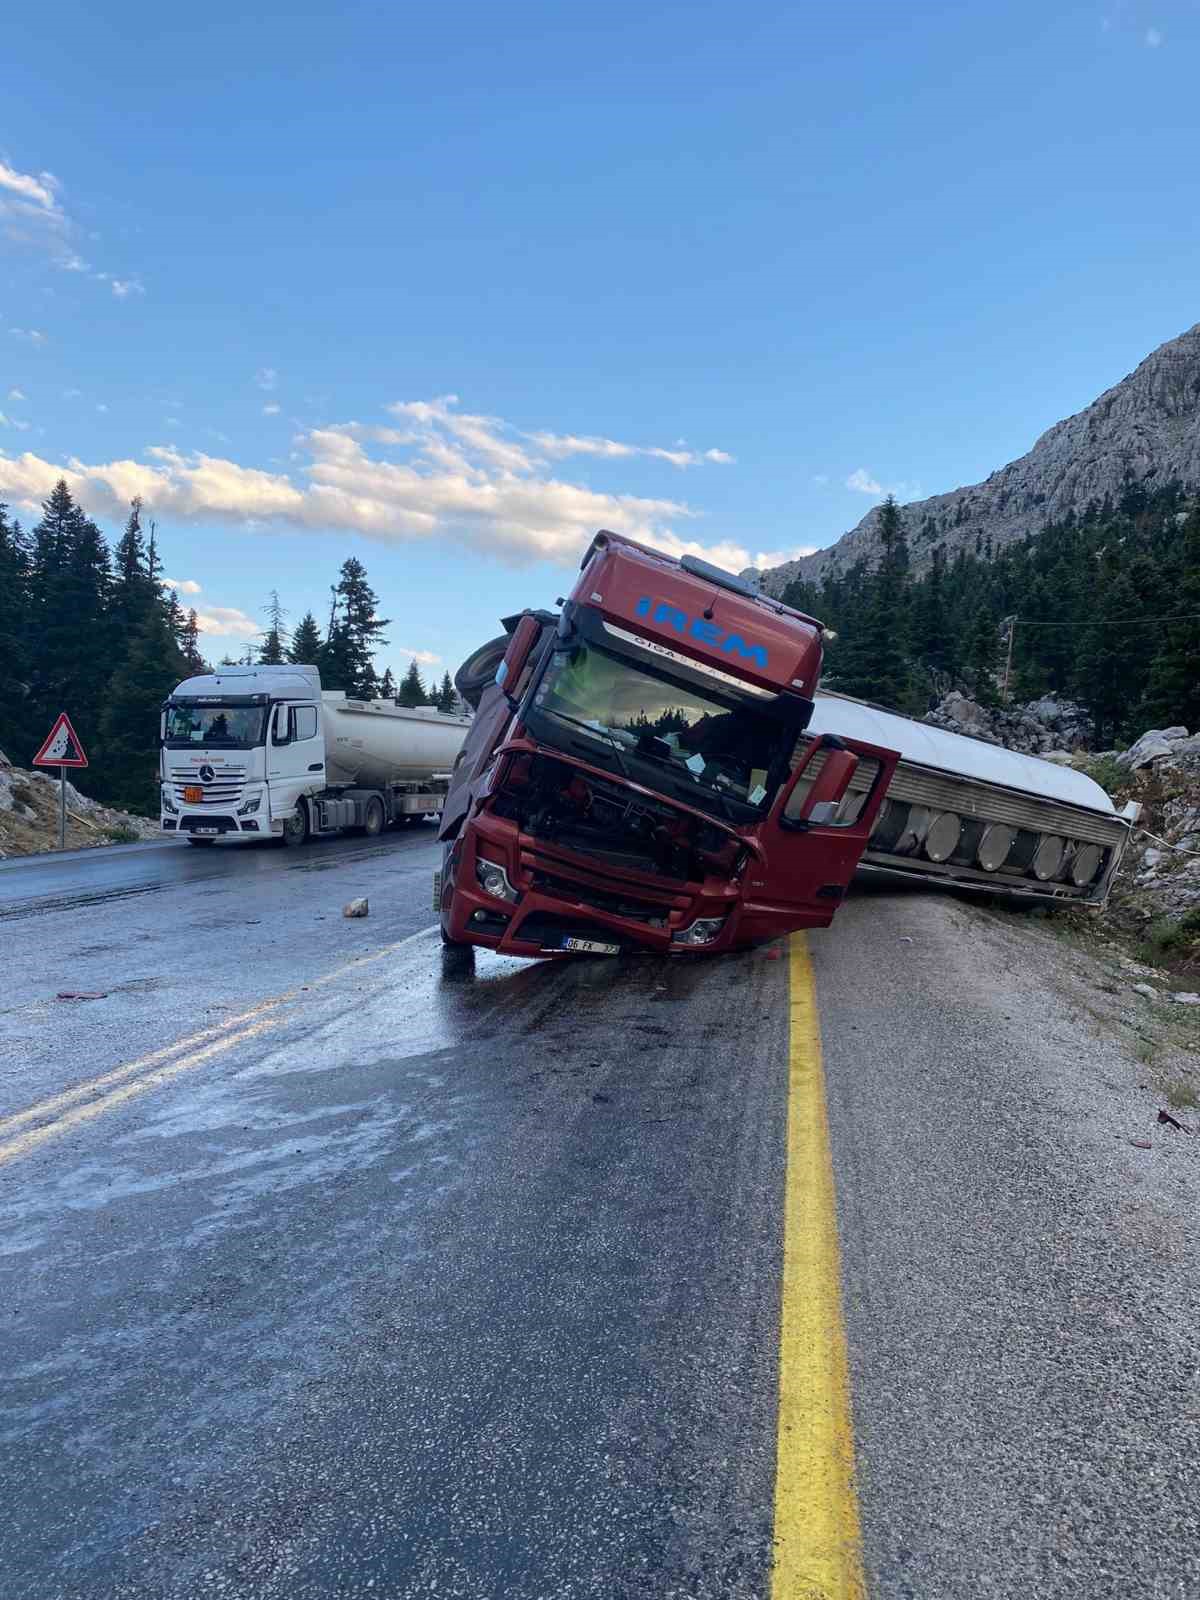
{"x":714,"y":274}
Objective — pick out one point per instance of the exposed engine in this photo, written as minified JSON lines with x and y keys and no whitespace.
{"x":554,"y":801}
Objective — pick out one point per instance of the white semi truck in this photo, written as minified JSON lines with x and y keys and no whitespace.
{"x":248,"y":752}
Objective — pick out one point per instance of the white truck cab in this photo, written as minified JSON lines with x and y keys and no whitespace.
{"x":248,"y":751}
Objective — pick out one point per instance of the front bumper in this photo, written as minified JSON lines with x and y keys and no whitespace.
{"x":561,"y":896}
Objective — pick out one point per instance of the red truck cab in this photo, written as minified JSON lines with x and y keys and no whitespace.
{"x":631,"y":780}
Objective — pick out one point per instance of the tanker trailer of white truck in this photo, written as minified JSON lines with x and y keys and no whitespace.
{"x":248,"y":752}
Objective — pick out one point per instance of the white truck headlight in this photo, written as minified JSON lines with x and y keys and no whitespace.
{"x":703,"y":931}
{"x":250,"y":807}
{"x":492,"y":879}
{"x":168,"y":804}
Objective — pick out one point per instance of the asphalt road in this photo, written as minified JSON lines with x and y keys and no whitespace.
{"x":334,"y":1265}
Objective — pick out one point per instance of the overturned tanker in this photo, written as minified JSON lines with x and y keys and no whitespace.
{"x":653,"y":768}
{"x":965,"y":812}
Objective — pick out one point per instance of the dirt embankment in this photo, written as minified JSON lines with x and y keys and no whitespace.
{"x":29,"y":816}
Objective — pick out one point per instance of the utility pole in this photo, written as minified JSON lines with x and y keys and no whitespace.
{"x":1011,"y":624}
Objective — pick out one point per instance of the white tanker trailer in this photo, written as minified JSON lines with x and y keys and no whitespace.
{"x":965,"y":812}
{"x":249,"y":751}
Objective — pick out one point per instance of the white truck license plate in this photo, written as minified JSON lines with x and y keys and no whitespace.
{"x":591,"y":947}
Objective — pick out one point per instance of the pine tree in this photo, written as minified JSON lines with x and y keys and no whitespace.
{"x":70,"y":579}
{"x":360,"y":628}
{"x":387,"y":685}
{"x":16,"y":728}
{"x":872,"y":663}
{"x":272,"y":651}
{"x":189,"y":644}
{"x":412,"y":690}
{"x":305,"y":648}
{"x":129,"y":725}
{"x":447,"y":697}
{"x":1173,"y":692}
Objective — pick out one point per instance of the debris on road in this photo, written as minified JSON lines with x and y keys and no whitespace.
{"x":82,"y":994}
{"x":1142,"y":1144}
{"x":356,"y":908}
{"x":1165,"y":1116}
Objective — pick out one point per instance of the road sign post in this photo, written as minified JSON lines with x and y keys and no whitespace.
{"x":61,"y":749}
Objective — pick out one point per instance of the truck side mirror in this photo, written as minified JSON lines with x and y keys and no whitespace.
{"x":516,"y":658}
{"x":279,"y":732}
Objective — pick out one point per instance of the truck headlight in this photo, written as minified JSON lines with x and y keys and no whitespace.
{"x":492,"y":879}
{"x":168,"y":804}
{"x":703,"y":931}
{"x":250,"y":807}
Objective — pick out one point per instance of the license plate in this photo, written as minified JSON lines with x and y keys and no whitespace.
{"x":206,"y":830}
{"x":590,"y":947}
{"x":437,"y":892}
{"x":193,"y":794}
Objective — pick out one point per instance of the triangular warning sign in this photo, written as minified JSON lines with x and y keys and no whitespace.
{"x":62,"y":747}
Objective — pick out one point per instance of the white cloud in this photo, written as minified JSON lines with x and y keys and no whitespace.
{"x":181,"y":585}
{"x":558,"y":446}
{"x":227,"y":622}
{"x":124,"y":287}
{"x":271,"y":411}
{"x":15,"y":394}
{"x":266,"y":377}
{"x":39,"y":191}
{"x":13,"y":422}
{"x":1154,"y":37}
{"x":446,"y":477}
{"x":33,"y":335}
{"x":101,"y":406}
{"x":821,"y":479}
{"x":862,"y":481}
{"x":424,"y":658}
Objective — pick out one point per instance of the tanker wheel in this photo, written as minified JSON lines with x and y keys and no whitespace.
{"x":374,"y":818}
{"x":296,"y":829}
{"x":479,"y":670}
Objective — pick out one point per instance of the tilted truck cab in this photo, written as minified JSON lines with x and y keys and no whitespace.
{"x":630,"y":781}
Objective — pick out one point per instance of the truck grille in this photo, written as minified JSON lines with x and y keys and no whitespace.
{"x":226,"y":787}
{"x":616,"y":905}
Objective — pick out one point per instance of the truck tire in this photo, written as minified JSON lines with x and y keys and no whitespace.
{"x":374,"y":817}
{"x":296,"y":828}
{"x":479,"y":670}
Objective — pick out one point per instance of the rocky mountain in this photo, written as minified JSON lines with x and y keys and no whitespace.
{"x":1146,"y":430}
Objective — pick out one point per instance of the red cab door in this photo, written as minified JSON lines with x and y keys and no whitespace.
{"x":814,"y":836}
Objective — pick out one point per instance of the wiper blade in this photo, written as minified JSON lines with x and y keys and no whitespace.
{"x":604,"y":733}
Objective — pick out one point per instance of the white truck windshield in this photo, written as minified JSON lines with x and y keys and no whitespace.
{"x":236,"y":727}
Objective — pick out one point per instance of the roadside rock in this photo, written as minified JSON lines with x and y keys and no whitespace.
{"x":1154,"y":745}
{"x":1053,"y":728}
{"x":356,"y":908}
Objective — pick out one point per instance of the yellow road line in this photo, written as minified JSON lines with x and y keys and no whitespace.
{"x":818,"y":1552}
{"x":196,"y":1048}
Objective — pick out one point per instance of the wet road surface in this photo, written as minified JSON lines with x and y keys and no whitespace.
{"x":331,"y":1264}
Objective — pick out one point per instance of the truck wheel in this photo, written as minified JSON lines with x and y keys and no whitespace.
{"x":479,"y":670}
{"x":295,"y":829}
{"x":453,"y":944}
{"x":374,"y":818}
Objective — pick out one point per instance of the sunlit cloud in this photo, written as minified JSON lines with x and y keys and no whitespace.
{"x":181,"y":585}
{"x":457,"y":479}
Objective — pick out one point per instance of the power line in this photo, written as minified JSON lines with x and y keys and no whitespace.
{"x":1122,"y":622}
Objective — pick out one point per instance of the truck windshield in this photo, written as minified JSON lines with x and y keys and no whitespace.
{"x":714,"y":750}
{"x":231,"y":727}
